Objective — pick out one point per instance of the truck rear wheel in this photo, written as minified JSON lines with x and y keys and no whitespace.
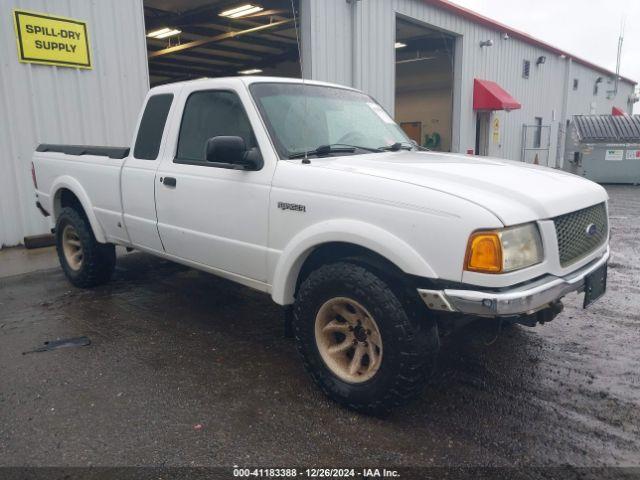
{"x":85,"y":262}
{"x":362,"y":345}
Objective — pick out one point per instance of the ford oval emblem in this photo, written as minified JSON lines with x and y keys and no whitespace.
{"x":591,"y":230}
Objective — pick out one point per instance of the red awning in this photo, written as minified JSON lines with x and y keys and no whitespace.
{"x":618,"y":112}
{"x":488,"y":95}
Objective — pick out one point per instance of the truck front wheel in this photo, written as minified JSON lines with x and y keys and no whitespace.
{"x":85,"y":262}
{"x":362,"y":345}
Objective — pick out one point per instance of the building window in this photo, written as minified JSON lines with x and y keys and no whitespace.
{"x":575,"y":84}
{"x":526,"y":68}
{"x":537,"y":133}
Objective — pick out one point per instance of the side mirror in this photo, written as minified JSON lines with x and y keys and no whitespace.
{"x":225,"y":150}
{"x":231,"y":152}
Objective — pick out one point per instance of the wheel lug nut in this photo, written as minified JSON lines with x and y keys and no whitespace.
{"x":350,"y":328}
{"x":368,"y":332}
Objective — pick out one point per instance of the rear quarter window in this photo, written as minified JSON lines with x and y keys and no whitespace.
{"x":152,"y":126}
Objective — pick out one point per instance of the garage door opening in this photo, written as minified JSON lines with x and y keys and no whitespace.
{"x":189,"y":39}
{"x":424,"y":84}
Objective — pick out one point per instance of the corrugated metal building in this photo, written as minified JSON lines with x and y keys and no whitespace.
{"x":352,"y":42}
{"x":455,"y":81}
{"x":42,"y":104}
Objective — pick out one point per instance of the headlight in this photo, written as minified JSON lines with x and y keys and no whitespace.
{"x":506,"y":250}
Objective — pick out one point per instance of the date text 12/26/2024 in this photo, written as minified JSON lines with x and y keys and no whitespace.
{"x":239,"y":472}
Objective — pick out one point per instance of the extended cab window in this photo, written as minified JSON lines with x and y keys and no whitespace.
{"x":152,"y":125}
{"x":209,"y":114}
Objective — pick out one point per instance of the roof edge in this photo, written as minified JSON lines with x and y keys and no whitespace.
{"x":525,"y":37}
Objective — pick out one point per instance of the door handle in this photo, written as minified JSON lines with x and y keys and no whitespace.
{"x":168,"y":181}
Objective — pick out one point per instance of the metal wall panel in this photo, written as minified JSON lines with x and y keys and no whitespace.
{"x":370,"y":31}
{"x":327,"y":29}
{"x":45,"y":104}
{"x":583,"y":101}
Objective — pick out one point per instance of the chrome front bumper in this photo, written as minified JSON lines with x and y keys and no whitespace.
{"x":521,"y":300}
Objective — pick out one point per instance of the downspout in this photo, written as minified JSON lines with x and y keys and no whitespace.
{"x":562,"y":128}
{"x":355,"y":65}
{"x":306,"y":39}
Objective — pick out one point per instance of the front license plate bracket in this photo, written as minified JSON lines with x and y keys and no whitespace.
{"x":595,"y":285}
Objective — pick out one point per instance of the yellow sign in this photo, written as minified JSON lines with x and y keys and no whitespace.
{"x":496,"y":130}
{"x":51,"y":40}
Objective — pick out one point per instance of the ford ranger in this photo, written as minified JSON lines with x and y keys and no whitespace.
{"x":311,"y":193}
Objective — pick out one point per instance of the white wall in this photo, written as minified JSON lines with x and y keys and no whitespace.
{"x":45,"y":104}
{"x":326,"y":28}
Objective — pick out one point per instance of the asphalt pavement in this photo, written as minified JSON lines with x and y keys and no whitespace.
{"x":185,"y":369}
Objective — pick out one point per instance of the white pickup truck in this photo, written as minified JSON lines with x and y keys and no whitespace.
{"x":311,"y":193}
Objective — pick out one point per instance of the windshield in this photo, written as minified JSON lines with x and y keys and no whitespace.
{"x":301,"y":118}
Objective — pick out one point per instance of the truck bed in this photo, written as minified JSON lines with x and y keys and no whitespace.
{"x":92,"y":173}
{"x":111,"y":152}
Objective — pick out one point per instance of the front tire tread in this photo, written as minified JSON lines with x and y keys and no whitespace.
{"x":415,"y":337}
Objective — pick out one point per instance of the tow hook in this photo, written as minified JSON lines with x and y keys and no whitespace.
{"x":548,"y":314}
{"x":540,"y":317}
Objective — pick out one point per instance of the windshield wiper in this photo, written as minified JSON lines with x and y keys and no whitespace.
{"x":323,"y":150}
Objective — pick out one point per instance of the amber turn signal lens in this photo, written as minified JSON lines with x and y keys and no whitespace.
{"x":484,"y":253}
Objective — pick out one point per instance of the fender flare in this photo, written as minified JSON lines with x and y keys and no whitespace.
{"x":71,"y":184}
{"x":355,"y":232}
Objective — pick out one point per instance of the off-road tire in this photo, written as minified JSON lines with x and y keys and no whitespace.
{"x":411,"y":341}
{"x":99,"y":259}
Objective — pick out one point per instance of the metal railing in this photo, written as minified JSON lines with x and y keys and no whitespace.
{"x":536,"y":150}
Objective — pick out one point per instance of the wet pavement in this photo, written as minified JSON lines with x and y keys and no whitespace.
{"x":186,"y":369}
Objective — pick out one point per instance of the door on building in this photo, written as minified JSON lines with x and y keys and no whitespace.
{"x":482,"y":133}
{"x":413,"y":131}
{"x":424,"y":83}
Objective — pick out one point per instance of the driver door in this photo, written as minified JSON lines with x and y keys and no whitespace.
{"x":212,"y":216}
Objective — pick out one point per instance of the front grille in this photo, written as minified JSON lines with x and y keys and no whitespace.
{"x":574,"y":239}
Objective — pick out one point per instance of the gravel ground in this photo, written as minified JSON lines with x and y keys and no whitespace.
{"x":186,"y":369}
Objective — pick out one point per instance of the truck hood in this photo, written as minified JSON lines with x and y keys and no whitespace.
{"x":513,"y":191}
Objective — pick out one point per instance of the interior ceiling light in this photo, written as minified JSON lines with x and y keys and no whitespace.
{"x":251,"y":71}
{"x":400,"y":45}
{"x":155,"y":33}
{"x":164,"y":33}
{"x":242,"y":11}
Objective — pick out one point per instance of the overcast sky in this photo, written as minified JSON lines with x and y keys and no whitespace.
{"x":586,"y":28}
